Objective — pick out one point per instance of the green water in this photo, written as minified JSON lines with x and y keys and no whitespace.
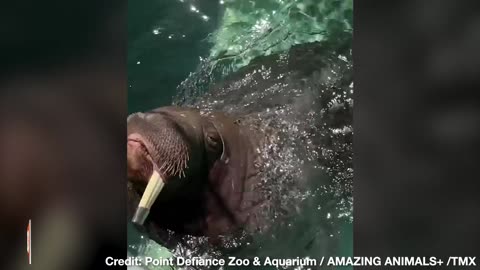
{"x":168,"y":39}
{"x":164,"y":45}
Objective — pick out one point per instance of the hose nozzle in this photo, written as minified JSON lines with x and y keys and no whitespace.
{"x":154,"y":186}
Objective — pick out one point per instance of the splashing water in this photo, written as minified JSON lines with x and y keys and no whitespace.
{"x":257,"y":28}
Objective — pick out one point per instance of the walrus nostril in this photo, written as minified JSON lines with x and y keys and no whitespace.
{"x":131,"y":144}
{"x":139,"y":161}
{"x":134,"y":155}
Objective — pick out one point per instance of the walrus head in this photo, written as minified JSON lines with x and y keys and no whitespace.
{"x":177,"y":144}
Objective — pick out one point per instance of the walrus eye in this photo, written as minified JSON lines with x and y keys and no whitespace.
{"x":213,"y":141}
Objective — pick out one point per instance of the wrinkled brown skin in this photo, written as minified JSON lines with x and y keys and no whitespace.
{"x":215,"y":196}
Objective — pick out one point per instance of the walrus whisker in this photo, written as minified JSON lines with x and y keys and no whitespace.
{"x":154,"y":186}
{"x":173,"y":164}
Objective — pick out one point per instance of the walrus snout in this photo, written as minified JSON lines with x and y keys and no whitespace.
{"x":163,"y":140}
{"x":166,"y":150}
{"x":157,"y":153}
{"x":139,"y":162}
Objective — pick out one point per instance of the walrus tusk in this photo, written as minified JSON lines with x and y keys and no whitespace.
{"x":154,"y":186}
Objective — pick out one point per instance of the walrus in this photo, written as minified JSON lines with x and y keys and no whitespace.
{"x":242,"y":156}
{"x":208,"y":164}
